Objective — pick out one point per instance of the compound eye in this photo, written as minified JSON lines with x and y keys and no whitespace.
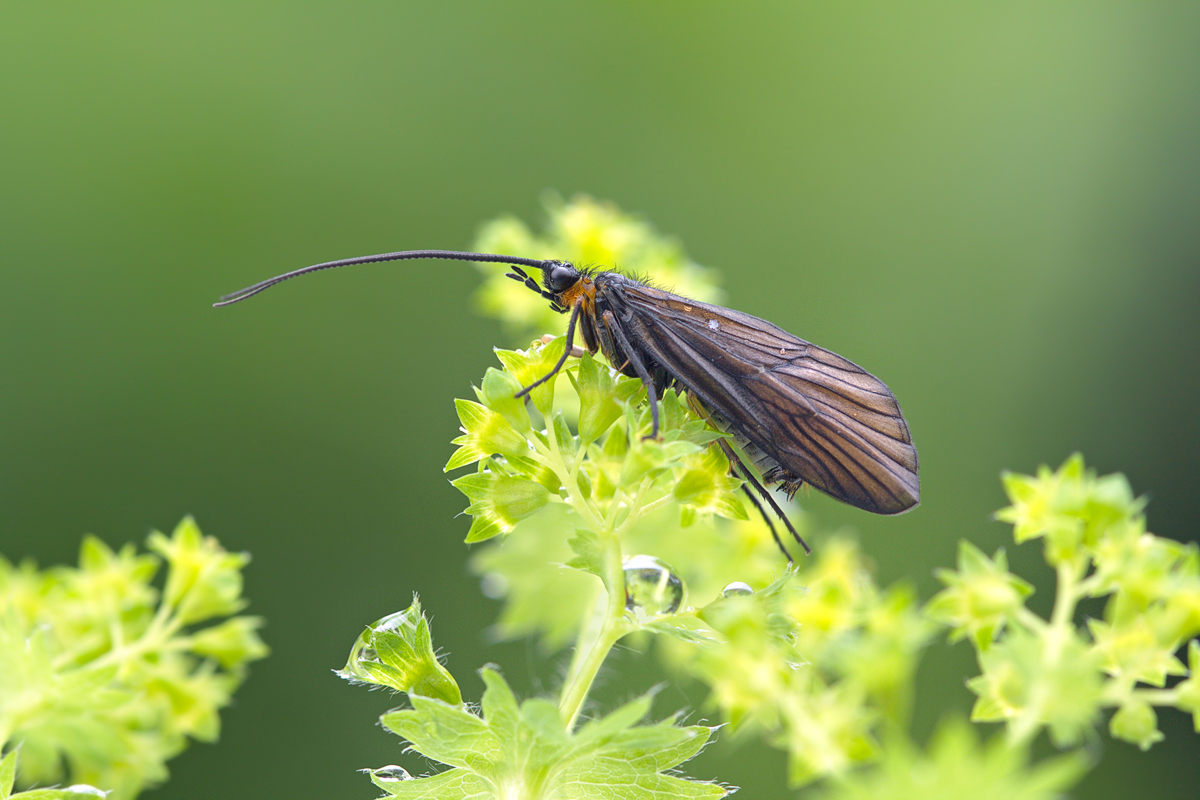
{"x":561,"y":277}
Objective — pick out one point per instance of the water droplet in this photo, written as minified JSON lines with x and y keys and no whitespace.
{"x":364,"y":653}
{"x":83,"y":788}
{"x":736,"y":588}
{"x":361,"y":653}
{"x":391,"y":774}
{"x":652,"y":586}
{"x":401,"y":619}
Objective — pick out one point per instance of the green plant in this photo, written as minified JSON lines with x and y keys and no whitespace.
{"x":601,"y":535}
{"x":103,"y":676}
{"x":1060,"y":674}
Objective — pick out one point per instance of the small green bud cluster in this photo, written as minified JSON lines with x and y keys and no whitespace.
{"x":104,"y":678}
{"x":1059,"y":673}
{"x":605,"y":469}
{"x":815,"y":661}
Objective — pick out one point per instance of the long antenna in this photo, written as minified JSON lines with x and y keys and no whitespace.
{"x":452,"y":255}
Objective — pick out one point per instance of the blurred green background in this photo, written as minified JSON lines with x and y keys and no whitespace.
{"x":994,"y":207}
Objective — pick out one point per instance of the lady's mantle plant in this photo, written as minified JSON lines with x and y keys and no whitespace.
{"x":104,"y":677}
{"x":1062,"y":673}
{"x":604,"y":534}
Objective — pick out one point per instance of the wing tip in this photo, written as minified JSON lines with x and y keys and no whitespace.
{"x":904,"y":498}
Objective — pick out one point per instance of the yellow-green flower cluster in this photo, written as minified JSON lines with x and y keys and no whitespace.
{"x":101,"y":680}
{"x":1056,"y":673}
{"x":605,"y":470}
{"x":815,"y":661}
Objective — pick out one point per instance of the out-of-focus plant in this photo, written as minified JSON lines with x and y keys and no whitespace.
{"x":103,"y":676}
{"x":586,"y":232}
{"x":1062,"y":673}
{"x":601,"y":535}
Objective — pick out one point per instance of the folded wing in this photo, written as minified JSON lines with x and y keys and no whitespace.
{"x":820,"y":418}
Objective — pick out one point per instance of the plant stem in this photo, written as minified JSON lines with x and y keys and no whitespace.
{"x":596,"y":640}
{"x":1058,"y":633}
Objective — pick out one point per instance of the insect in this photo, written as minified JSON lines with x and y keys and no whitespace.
{"x":800,"y":413}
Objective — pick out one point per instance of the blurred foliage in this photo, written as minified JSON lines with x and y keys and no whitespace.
{"x":1060,"y":673}
{"x":958,"y":765}
{"x":587,"y":233}
{"x":104,"y":677}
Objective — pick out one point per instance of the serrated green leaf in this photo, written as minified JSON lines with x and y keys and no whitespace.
{"x":524,"y":751}
{"x":499,"y":705}
{"x":446,"y":733}
{"x":589,"y":552}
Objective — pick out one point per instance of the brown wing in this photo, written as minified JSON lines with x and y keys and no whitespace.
{"x":821,"y":417}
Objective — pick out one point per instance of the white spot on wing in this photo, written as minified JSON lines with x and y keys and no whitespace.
{"x":713,"y":324}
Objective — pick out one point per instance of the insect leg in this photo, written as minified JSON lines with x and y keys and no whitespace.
{"x":565,"y":355}
{"x":750,"y":479}
{"x":762,"y":511}
{"x":638,"y":367}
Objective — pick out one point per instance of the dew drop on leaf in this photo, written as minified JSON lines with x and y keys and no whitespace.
{"x":361,"y":653}
{"x":391,"y":774}
{"x":401,"y":619}
{"x":652,"y":585}
{"x":736,"y":588}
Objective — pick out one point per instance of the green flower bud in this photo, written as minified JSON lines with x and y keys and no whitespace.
{"x":1188,"y":692}
{"x":498,"y":502}
{"x":648,"y":458}
{"x":597,"y":408}
{"x":485,"y":432}
{"x":1023,"y":685}
{"x":979,"y":596}
{"x":704,"y":486}
{"x":204,"y":580}
{"x":397,"y":652}
{"x":1137,"y":723}
{"x":498,"y":393}
{"x":530,"y":366}
{"x":231,"y":642}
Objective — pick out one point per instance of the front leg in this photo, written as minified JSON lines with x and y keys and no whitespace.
{"x":566,"y":352}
